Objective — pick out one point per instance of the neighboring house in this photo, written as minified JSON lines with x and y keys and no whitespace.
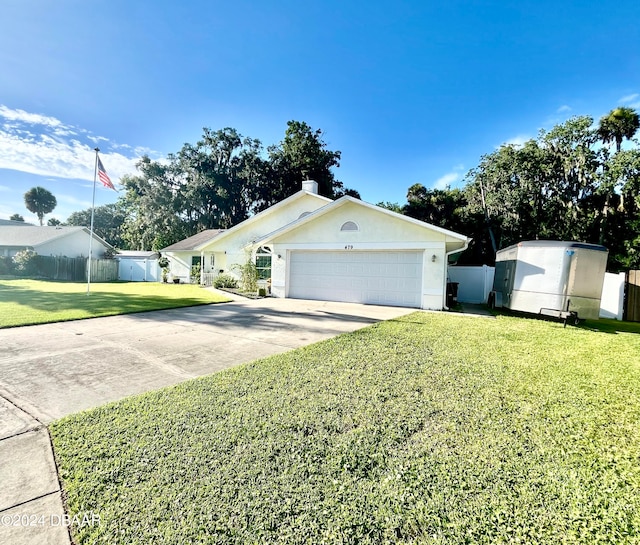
{"x":50,"y":241}
{"x":134,"y":266}
{"x":311,"y":247}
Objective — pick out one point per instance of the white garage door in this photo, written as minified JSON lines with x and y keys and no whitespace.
{"x":379,"y":278}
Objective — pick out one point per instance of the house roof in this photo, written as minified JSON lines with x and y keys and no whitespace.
{"x":15,"y":223}
{"x":194,"y":242}
{"x":32,"y":236}
{"x":333,"y":205}
{"x":198,"y":244}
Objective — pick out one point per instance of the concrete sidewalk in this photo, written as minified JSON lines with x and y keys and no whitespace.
{"x":31,"y":510}
{"x":53,"y":370}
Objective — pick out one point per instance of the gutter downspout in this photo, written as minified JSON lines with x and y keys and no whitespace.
{"x":446,"y":265}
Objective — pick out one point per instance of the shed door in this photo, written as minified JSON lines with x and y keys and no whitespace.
{"x":381,"y":278}
{"x":132,"y":270}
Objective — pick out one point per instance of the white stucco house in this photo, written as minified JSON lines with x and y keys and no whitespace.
{"x":311,"y":247}
{"x":50,"y":241}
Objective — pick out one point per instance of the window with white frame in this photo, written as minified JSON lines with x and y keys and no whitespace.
{"x":263,"y":263}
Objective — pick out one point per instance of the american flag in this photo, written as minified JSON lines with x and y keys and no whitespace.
{"x":104,"y":177}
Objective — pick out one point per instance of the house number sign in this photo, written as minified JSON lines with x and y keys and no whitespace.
{"x":348,"y":247}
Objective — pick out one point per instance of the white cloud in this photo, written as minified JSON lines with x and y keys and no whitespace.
{"x":517,"y":141}
{"x":563,"y":109}
{"x":97,"y":139}
{"x":29,"y":118}
{"x":45,"y":146}
{"x":629,"y":98}
{"x":631,"y":101}
{"x":450,"y":178}
{"x":4,"y":188}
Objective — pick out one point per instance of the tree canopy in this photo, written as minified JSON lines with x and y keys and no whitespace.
{"x":572,"y":182}
{"x":565,"y":184}
{"x":220,"y":181}
{"x":40,"y":201}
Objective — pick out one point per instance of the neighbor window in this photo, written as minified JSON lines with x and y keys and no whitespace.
{"x":263,"y":263}
{"x":349,"y":226}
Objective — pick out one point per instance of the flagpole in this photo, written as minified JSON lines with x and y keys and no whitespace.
{"x":93,"y":203}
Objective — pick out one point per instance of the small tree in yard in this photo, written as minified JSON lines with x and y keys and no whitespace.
{"x":248,"y":276}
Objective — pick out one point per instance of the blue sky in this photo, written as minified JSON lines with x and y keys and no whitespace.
{"x":408,"y":91}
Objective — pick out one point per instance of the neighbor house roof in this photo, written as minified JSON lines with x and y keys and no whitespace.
{"x":343,"y":201}
{"x":31,"y":236}
{"x":12,"y":222}
{"x":194,"y":242}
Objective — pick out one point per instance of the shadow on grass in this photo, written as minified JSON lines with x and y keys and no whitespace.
{"x":602,"y":325}
{"x":605,"y":325}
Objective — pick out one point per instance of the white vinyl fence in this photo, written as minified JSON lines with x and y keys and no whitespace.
{"x":612,"y":302}
{"x":475,"y":283}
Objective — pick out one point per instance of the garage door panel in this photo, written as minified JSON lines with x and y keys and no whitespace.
{"x":384,"y":278}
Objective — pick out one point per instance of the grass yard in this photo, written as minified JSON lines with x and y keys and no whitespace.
{"x":432,"y":428}
{"x":28,"y":302}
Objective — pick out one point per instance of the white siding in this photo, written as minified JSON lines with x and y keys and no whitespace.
{"x":73,"y":245}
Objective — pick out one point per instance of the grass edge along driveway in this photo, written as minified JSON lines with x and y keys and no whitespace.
{"x":29,"y":302}
{"x":431,"y":428}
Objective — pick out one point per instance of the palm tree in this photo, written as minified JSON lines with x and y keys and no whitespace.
{"x":39,"y":201}
{"x":618,"y":124}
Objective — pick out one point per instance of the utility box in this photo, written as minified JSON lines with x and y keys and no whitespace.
{"x":552,"y":278}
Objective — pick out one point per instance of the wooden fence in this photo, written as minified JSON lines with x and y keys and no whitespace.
{"x":74,"y":269}
{"x":632,"y":299}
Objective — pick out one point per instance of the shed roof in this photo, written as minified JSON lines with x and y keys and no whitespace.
{"x":136,"y":254}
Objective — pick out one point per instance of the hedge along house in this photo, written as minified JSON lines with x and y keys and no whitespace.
{"x":344,"y":250}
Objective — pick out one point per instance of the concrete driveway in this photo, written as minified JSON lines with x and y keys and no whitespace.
{"x":49,"y":371}
{"x":57,"y":369}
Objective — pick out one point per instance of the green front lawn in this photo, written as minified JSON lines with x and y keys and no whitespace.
{"x":27,"y":302}
{"x":432,"y":428}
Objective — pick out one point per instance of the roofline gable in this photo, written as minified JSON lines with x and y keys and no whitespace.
{"x":345,"y":200}
{"x":103,"y":241}
{"x":268,"y":211}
